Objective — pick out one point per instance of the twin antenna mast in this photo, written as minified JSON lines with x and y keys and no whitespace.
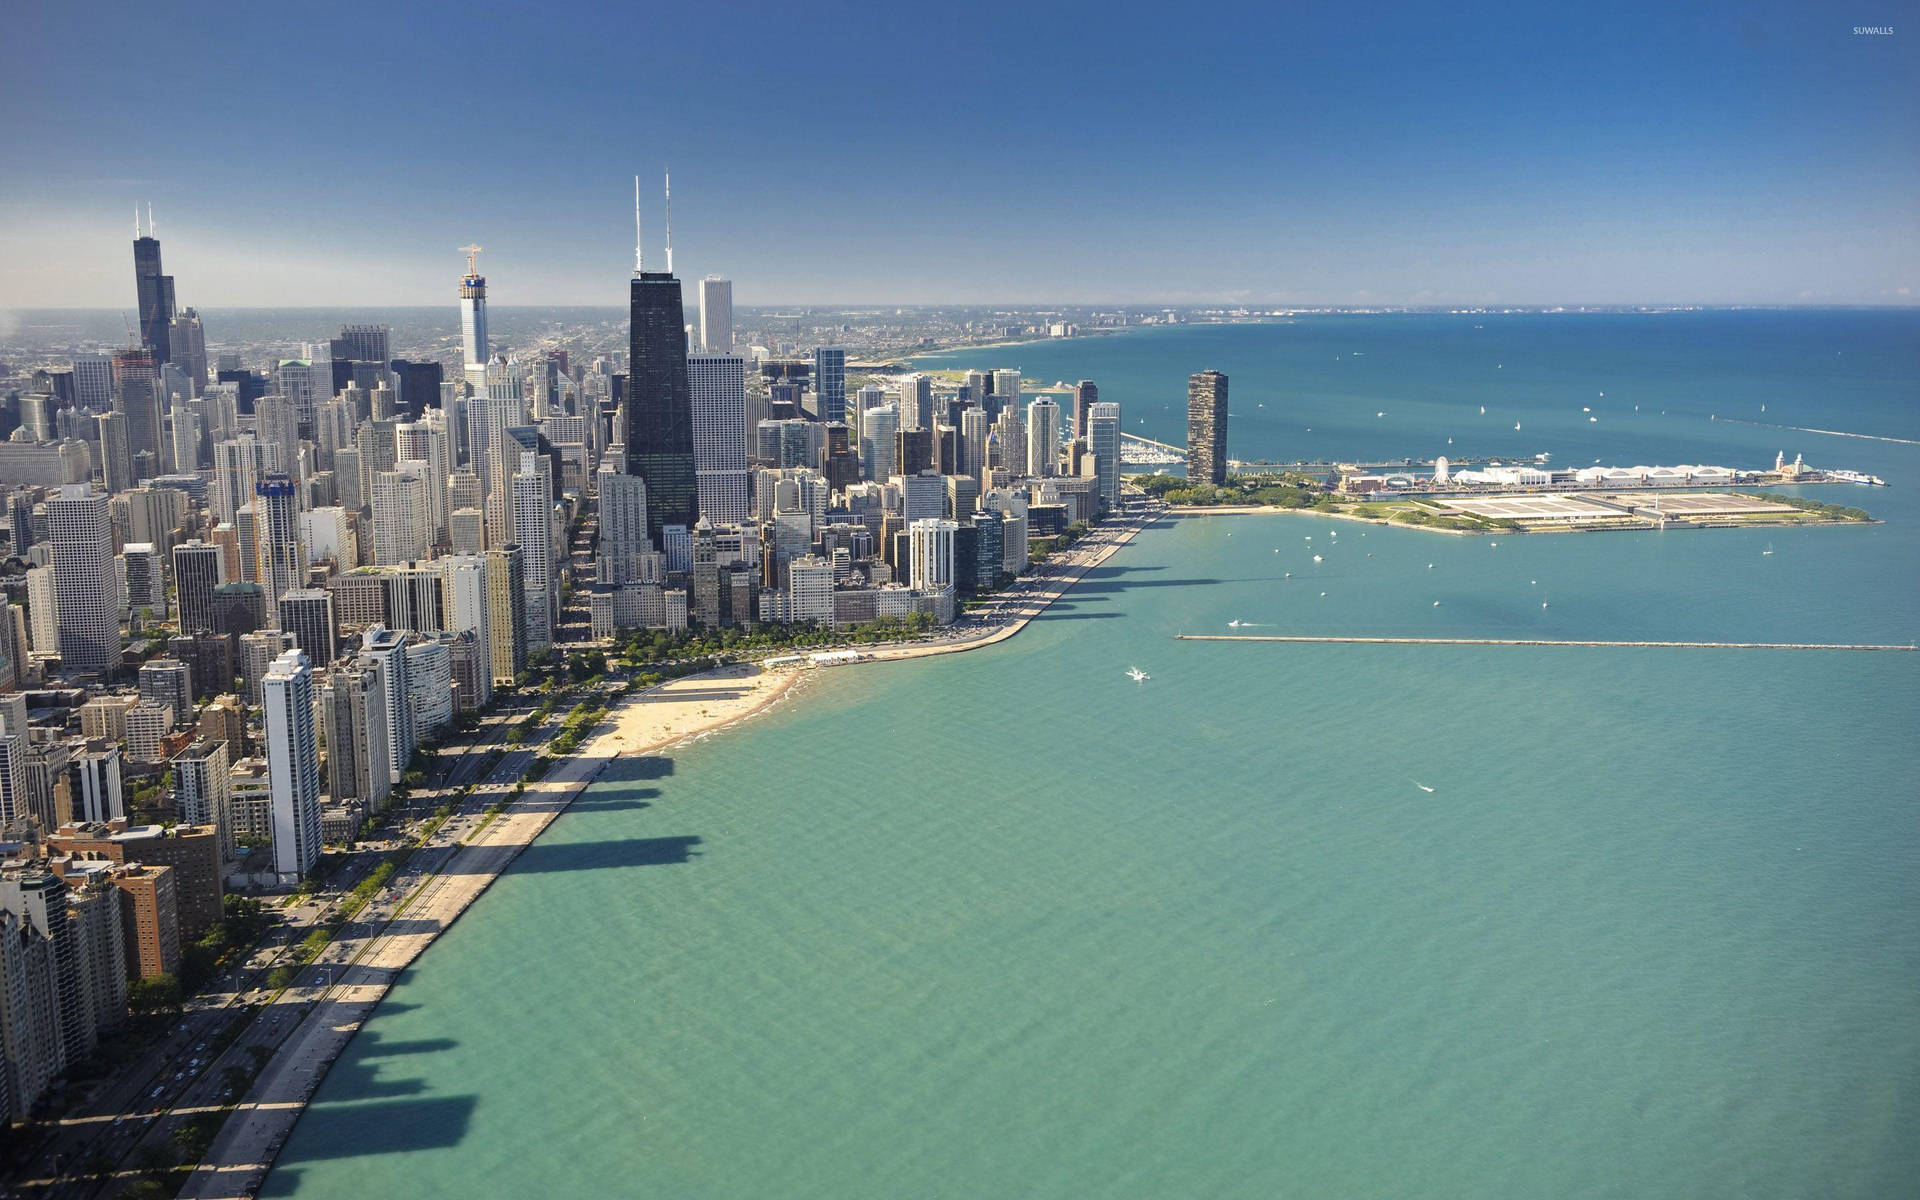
{"x":639,"y":255}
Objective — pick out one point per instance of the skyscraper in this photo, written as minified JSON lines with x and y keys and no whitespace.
{"x":293,"y":766}
{"x":1207,"y":428}
{"x":719,"y":391}
{"x":385,"y":650}
{"x":1085,"y":396}
{"x":507,"y":613}
{"x":716,"y":315}
{"x":916,"y":401}
{"x":473,"y":311}
{"x":153,"y":291}
{"x":1043,"y":438}
{"x":307,"y":615}
{"x":1006,"y":390}
{"x":830,"y":382}
{"x":86,"y":589}
{"x":533,"y":529}
{"x":198,"y":568}
{"x":1103,"y":440}
{"x":187,"y":345}
{"x":623,"y":525}
{"x":278,"y":556}
{"x":116,"y":454}
{"x":659,"y":432}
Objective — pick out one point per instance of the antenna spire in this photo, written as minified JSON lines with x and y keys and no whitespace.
{"x":472,"y":253}
{"x":639,"y":255}
{"x":669,"y":175}
{"x":149,"y":218}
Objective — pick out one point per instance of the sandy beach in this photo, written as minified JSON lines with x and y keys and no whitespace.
{"x":681,"y":708}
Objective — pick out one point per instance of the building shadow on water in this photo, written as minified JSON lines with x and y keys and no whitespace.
{"x":356,"y":1129}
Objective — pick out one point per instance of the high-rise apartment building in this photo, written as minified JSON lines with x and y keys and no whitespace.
{"x":1043,"y":438}
{"x":353,"y":720}
{"x":306,"y":615}
{"x":384,"y":650}
{"x":533,"y":529}
{"x":507,"y":612}
{"x":1207,"y":428}
{"x":293,"y":766}
{"x":1085,"y":396}
{"x":1103,"y":442}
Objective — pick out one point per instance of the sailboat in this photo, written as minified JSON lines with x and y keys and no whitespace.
{"x":1768,"y":552}
{"x":1137,"y":675}
{"x":1516,"y":427}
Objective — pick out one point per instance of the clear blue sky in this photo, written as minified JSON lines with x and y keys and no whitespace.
{"x":836,"y":153}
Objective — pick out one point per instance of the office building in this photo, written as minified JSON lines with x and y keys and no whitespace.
{"x":1207,"y":428}
{"x":659,"y":429}
{"x":718,"y":385}
{"x":1085,"y":396}
{"x":153,"y":294}
{"x":279,"y":558}
{"x":716,"y":315}
{"x":830,"y":383}
{"x":86,"y":587}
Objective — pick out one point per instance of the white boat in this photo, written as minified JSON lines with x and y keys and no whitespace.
{"x":1137,"y":675}
{"x":1516,"y":427}
{"x":1423,"y":787}
{"x":1316,"y":558}
{"x":1768,"y":552}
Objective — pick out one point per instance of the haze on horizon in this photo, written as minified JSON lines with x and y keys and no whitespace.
{"x":1394,"y":154}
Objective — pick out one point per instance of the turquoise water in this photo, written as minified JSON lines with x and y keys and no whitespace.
{"x":1006,"y":923}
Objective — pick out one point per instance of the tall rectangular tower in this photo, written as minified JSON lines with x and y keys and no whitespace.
{"x":86,"y":587}
{"x":1207,"y":428}
{"x":716,"y":315}
{"x":153,"y":293}
{"x":830,"y":382}
{"x":293,"y":766}
{"x":719,"y":386}
{"x":659,"y":430}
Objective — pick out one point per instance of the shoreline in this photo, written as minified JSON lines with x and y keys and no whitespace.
{"x":668,"y":714}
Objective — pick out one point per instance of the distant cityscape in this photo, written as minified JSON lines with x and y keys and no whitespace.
{"x":249,"y":583}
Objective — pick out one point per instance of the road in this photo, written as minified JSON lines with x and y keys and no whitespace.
{"x":186,"y":1072}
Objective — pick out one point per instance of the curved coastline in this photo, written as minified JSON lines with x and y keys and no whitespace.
{"x":432,"y":900}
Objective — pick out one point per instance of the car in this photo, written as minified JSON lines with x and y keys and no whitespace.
{"x":155,"y":1093}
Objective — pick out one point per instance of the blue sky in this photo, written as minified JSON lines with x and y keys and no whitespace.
{"x":900,"y":153}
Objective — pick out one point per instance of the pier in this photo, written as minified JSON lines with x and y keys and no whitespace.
{"x":1446,"y":641}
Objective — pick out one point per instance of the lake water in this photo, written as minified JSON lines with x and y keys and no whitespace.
{"x":1008,"y":924}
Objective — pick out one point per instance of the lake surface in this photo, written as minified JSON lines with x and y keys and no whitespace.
{"x":1008,"y":924}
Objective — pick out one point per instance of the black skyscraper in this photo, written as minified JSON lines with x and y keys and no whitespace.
{"x":155,"y":295}
{"x":659,"y":433}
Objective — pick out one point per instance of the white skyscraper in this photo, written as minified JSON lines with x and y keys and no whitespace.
{"x":879,"y":455}
{"x":86,"y":586}
{"x":467,"y":610}
{"x":473,"y":311}
{"x":623,"y":524}
{"x":385,"y":650}
{"x":93,"y":381}
{"x":399,"y":517}
{"x":533,"y":529}
{"x":1043,"y":438}
{"x":424,"y":442}
{"x":719,"y":395}
{"x":916,"y":401}
{"x":931,"y":543}
{"x":1103,"y":440}
{"x":293,"y":766}
{"x":716,"y":317}
{"x":1006,"y":388}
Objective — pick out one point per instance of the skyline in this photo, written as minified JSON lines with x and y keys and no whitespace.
{"x":1402,"y":155}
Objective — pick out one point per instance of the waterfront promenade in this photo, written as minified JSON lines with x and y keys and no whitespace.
{"x":443,"y":880}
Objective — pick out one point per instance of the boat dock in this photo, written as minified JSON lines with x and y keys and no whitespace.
{"x":1444,"y":641}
